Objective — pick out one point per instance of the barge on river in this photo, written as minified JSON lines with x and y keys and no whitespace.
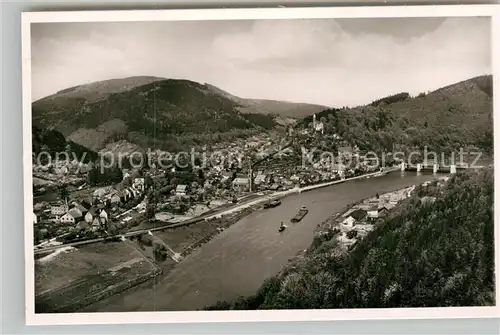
{"x":300,"y":215}
{"x":272,"y":204}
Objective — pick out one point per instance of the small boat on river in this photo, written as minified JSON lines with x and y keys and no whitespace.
{"x":272,"y":204}
{"x":300,"y":215}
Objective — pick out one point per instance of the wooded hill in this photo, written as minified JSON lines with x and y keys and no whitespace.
{"x":458,"y":115}
{"x":51,"y":143}
{"x":155,"y":112}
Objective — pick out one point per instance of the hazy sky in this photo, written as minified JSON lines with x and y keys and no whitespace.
{"x":330,"y":62}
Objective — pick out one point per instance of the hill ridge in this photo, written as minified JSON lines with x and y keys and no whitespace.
{"x":180,"y":112}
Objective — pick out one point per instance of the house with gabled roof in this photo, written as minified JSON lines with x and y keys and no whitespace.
{"x":80,"y":207}
{"x":358,"y":214}
{"x":115,"y":198}
{"x":67,"y":218}
{"x":103,"y":215}
{"x":97,"y":224}
{"x":75,"y":213}
{"x":138,"y":184}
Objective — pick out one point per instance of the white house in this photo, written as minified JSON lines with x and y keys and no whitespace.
{"x":181,"y":190}
{"x":134,"y":193}
{"x":127,"y":195}
{"x":319,"y":127}
{"x":349,"y":221}
{"x":138,"y":184}
{"x":241,"y":184}
{"x":96,"y":224}
{"x":103,"y":215}
{"x":141,"y":207}
{"x":372,"y":214}
{"x":261,"y":178}
{"x":67,"y":218}
{"x":338,"y":168}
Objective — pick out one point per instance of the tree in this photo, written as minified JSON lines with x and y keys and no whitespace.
{"x":150,"y":211}
{"x":63,"y":192}
{"x":148,"y":181}
{"x":201,"y":175}
{"x":85,"y":204}
{"x":159,"y":251}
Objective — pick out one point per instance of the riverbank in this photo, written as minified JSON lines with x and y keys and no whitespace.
{"x":433,"y":227}
{"x":340,"y":237}
{"x":283,"y":194}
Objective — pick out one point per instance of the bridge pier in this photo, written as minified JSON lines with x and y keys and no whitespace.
{"x":435,"y":168}
{"x":403,"y":166}
{"x":419,"y":167}
{"x":453,"y":169}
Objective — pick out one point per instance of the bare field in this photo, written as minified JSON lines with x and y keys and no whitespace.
{"x":180,"y":238}
{"x":65,"y":267}
{"x":91,"y":288}
{"x":80,"y":276}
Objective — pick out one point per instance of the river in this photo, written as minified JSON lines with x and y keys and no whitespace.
{"x":239,"y":259}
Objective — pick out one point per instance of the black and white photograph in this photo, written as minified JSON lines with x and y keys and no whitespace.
{"x":305,"y":160}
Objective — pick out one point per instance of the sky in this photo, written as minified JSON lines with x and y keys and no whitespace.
{"x":342,"y":62}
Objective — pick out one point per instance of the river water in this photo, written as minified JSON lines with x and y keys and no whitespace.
{"x":238,"y":260}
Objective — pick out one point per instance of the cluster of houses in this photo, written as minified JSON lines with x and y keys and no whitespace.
{"x":62,"y":167}
{"x":374,"y":208}
{"x":116,"y":197}
{"x":65,"y":217}
{"x":75,"y":217}
{"x":362,"y":216}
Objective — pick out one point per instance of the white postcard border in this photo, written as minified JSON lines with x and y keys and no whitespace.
{"x":492,"y":11}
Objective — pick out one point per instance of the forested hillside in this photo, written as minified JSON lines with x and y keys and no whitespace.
{"x":51,"y":142}
{"x":428,"y":255}
{"x":164,"y":113}
{"x":453,"y":117}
